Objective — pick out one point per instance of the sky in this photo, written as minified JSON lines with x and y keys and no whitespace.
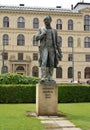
{"x":43,"y":3}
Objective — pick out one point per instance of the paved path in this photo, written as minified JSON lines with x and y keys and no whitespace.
{"x":57,"y":123}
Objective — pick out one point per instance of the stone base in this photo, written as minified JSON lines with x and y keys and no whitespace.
{"x":46,"y":99}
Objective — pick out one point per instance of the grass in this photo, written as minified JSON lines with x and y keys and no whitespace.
{"x":78,"y":113}
{"x":13,"y":116}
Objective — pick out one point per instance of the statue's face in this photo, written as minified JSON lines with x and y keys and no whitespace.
{"x":47,"y":21}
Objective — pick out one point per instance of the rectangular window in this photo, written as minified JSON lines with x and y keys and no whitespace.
{"x":35,"y":56}
{"x":87,"y":58}
{"x":69,"y":57}
{"x":5,"y":56}
{"x":20,"y":56}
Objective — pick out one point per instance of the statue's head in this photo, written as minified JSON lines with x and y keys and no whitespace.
{"x":47,"y":19}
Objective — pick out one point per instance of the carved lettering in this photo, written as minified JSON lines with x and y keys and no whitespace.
{"x":48,"y":92}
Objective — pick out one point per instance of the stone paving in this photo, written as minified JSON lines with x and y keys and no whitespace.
{"x":57,"y":123}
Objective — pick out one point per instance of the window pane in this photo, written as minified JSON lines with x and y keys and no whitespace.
{"x":35,"y":23}
{"x":60,"y":41}
{"x":88,"y":58}
{"x":59,"y":72}
{"x":5,"y":69}
{"x":5,"y":39}
{"x":70,"y":25}
{"x":87,"y":22}
{"x":70,"y":72}
{"x":87,"y":72}
{"x":70,"y":42}
{"x":87,"y":42}
{"x":70,"y":57}
{"x":59,"y":24}
{"x":35,"y":43}
{"x":5,"y":22}
{"x":21,"y":22}
{"x":20,"y":40}
{"x":35,"y":56}
{"x":35,"y":71}
{"x":5,"y":56}
{"x":20,"y":56}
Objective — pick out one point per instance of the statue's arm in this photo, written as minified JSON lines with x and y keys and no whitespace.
{"x":40,"y":34}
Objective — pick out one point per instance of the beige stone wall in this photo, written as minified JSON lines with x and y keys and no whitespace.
{"x":78,"y":34}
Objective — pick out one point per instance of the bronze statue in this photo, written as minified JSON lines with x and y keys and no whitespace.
{"x":49,"y":49}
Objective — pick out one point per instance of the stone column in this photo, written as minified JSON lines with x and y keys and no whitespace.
{"x":46,"y":99}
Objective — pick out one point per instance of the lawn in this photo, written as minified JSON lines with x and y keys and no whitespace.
{"x":13,"y":116}
{"x":78,"y":113}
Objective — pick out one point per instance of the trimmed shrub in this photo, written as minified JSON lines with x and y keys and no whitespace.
{"x":27,"y":93}
{"x":17,"y":93}
{"x":71,"y":93}
{"x":13,"y":78}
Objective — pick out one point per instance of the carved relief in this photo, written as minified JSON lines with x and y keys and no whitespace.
{"x":12,"y":57}
{"x":85,"y":10}
{"x":28,"y":58}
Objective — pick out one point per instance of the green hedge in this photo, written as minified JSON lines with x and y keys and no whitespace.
{"x":27,"y":93}
{"x":17,"y":93}
{"x":73,"y":93}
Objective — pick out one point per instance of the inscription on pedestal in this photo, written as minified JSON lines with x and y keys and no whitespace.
{"x":47,"y":92}
{"x":46,"y":99}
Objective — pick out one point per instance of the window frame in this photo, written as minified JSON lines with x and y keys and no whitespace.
{"x":59,"y":24}
{"x":20,"y":22}
{"x":20,"y":40}
{"x":20,"y":56}
{"x":6,"y":21}
{"x":35,"y":23}
{"x":70,"y":24}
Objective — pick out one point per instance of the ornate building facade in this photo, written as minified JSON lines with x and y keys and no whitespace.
{"x":19,"y":49}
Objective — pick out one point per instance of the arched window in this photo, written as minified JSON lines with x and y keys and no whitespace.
{"x":35,"y":23}
{"x":87,"y":72}
{"x":70,"y":41}
{"x":5,"y":39}
{"x":70,"y":72}
{"x":21,"y":22}
{"x":5,"y":21}
{"x":58,"y":72}
{"x":60,"y":40}
{"x":87,"y":42}
{"x":5,"y":69}
{"x":35,"y":71}
{"x":70,"y":24}
{"x":35,"y":43}
{"x":59,"y":24}
{"x":87,"y":22}
{"x":20,"y":40}
{"x":20,"y":68}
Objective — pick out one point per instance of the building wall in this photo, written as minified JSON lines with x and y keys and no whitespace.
{"x":77,"y":33}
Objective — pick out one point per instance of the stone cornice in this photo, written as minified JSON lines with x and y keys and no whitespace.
{"x":29,"y":10}
{"x":85,"y":10}
{"x":43,"y":13}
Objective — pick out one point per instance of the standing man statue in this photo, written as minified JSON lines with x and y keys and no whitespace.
{"x":49,"y":49}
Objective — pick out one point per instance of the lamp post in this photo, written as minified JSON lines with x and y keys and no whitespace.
{"x":2,"y":71}
{"x":72,"y":63}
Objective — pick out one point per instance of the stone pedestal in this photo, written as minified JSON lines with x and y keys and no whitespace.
{"x":46,"y":99}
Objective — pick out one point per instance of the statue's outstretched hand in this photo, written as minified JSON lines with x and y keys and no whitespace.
{"x":44,"y":30}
